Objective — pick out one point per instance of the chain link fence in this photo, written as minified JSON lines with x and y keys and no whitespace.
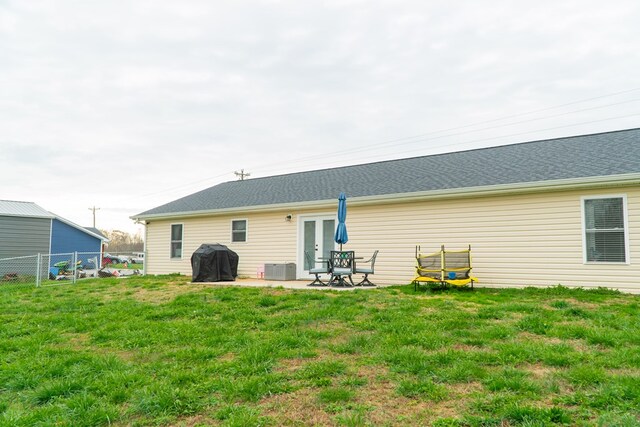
{"x":51,"y":269}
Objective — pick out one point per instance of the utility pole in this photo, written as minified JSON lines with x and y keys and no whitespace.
{"x":94,"y":209}
{"x":242,"y":174}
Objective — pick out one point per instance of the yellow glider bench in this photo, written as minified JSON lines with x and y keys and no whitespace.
{"x":444,"y":268}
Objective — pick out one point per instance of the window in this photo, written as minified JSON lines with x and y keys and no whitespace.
{"x":239,"y":230}
{"x":605,"y":231}
{"x":176,"y":240}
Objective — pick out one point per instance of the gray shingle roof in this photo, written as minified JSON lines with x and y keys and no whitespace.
{"x":602,"y":154}
{"x":96,"y":232}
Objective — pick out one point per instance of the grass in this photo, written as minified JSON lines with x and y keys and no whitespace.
{"x":129,"y":266}
{"x":159,"y":351}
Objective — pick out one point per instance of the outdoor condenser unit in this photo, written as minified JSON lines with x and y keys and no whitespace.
{"x":285,"y":271}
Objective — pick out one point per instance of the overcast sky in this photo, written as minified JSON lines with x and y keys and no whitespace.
{"x":127,"y":105}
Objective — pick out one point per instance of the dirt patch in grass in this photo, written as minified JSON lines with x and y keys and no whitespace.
{"x":156,"y":296}
{"x":465,"y":347}
{"x":576,"y":344}
{"x":624,"y":372}
{"x":78,"y":342}
{"x":227,"y":357}
{"x":339,"y":338}
{"x":292,"y":365}
{"x":181,"y":282}
{"x":573,"y":303}
{"x":335,"y":328}
{"x":528,"y":336}
{"x":465,"y":389}
{"x":539,"y":370}
{"x":151,"y":295}
{"x":428,"y":310}
{"x":277,"y":292}
{"x":81,"y":343}
{"x":469,"y":307}
{"x":388,"y":407}
{"x":322,"y":355}
{"x":197,"y":420}
{"x":300,"y":407}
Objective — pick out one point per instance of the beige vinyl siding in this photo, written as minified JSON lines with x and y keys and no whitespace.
{"x":269,"y":239}
{"x":517,"y":240}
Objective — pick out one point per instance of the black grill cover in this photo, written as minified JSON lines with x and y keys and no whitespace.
{"x":214,"y":263}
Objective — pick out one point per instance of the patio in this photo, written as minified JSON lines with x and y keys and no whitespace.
{"x":286,"y":284}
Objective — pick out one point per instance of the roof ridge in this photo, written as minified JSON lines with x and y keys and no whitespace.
{"x":568,"y":157}
{"x":17,"y":201}
{"x":430,"y":155}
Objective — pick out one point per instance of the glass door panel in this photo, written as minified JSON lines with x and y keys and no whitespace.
{"x":328,"y":232}
{"x":309,"y":242}
{"x":316,"y":238}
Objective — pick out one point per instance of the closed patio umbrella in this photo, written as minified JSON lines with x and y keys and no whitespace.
{"x":341,"y":231}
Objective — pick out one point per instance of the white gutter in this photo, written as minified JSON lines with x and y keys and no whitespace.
{"x":19,"y":215}
{"x":480,"y":191}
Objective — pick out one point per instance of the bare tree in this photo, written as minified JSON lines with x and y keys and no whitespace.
{"x":123,"y":242}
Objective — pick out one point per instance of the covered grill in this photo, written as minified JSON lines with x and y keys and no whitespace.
{"x":214,"y":263}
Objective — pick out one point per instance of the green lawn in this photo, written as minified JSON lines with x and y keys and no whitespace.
{"x":159,"y":351}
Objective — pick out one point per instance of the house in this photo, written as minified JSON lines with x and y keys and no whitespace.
{"x":557,"y":211}
{"x":28,"y":229}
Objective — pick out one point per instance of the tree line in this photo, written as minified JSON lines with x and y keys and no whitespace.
{"x":123,"y":242}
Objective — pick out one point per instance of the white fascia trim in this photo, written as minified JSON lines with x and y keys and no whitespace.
{"x":260,"y":208}
{"x":17,"y":215}
{"x":480,"y":191}
{"x":518,"y":188}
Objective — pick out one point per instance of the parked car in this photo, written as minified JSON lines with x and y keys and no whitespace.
{"x":137,"y":258}
{"x":114,"y":259}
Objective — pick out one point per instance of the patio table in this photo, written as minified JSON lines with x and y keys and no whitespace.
{"x":341,"y":282}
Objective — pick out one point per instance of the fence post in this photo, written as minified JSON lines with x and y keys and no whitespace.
{"x":38,"y":269}
{"x":75,"y":260}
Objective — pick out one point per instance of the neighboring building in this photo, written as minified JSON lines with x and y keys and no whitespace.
{"x":67,"y":237}
{"x":27,"y":229}
{"x":558,"y":211}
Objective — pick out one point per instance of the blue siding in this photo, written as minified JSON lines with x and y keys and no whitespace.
{"x":67,"y":239}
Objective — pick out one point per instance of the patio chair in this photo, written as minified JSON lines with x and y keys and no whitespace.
{"x":444,"y":268}
{"x":341,"y":264}
{"x":366,"y":270}
{"x":323,"y":269}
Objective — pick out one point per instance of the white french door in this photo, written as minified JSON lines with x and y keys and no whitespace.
{"x":315,"y":237}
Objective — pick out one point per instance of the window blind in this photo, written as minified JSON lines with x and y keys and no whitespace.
{"x":604,"y":230}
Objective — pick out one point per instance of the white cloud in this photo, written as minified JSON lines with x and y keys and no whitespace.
{"x":127,"y":105}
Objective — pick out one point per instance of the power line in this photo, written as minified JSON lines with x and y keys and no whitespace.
{"x":519,"y":133}
{"x":182,"y":186}
{"x":421,"y":137}
{"x":455,"y":128}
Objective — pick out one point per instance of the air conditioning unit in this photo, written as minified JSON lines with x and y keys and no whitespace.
{"x":286,"y":271}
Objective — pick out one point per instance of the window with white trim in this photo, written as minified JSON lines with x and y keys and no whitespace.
{"x":176,"y":240}
{"x":605,"y":234}
{"x":239,"y":230}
